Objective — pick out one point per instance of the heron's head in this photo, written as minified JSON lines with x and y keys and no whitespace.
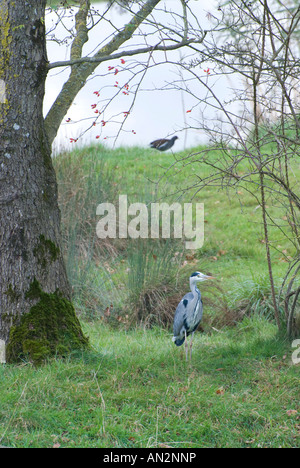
{"x":197,"y":276}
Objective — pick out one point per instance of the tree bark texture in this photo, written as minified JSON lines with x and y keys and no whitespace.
{"x":30,"y":251}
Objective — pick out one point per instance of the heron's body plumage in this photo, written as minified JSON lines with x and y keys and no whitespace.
{"x":189,"y":312}
{"x":187,"y":322}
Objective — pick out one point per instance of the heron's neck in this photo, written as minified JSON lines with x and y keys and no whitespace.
{"x":194,"y":288}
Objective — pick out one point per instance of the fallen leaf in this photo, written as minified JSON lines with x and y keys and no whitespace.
{"x":291,"y":411}
{"x":283,"y":260}
{"x":190,"y":257}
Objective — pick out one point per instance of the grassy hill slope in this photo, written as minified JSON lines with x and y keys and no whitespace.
{"x":134,"y":388}
{"x":233,"y":250}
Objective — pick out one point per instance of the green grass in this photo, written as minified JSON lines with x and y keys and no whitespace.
{"x":234,"y":248}
{"x":134,"y":389}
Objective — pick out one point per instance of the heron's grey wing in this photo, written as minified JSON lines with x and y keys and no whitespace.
{"x":180,"y":313}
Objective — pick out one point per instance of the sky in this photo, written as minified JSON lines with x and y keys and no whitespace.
{"x":156,"y":113}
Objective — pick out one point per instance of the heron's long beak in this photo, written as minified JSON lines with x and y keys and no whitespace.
{"x":209,"y":277}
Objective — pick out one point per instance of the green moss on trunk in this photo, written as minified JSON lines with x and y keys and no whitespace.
{"x":46,"y":251}
{"x":50,"y":328}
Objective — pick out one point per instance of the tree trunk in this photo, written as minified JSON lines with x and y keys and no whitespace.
{"x":36,"y":315}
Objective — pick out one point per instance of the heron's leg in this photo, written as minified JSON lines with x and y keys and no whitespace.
{"x":191,"y":345}
{"x":186,"y":346}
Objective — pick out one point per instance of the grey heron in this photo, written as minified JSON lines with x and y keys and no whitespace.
{"x":189,"y":313}
{"x":163,"y":144}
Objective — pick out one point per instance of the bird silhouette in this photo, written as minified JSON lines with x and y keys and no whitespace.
{"x":163,"y":144}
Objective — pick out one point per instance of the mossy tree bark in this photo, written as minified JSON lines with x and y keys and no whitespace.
{"x":30,"y":252}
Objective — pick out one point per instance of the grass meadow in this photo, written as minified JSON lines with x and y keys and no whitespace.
{"x":133,"y":388}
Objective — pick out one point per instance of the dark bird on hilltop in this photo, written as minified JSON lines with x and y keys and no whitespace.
{"x":163,"y":144}
{"x":189,"y":313}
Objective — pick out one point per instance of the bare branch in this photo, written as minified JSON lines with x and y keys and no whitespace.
{"x":80,"y":72}
{"x":129,"y":53}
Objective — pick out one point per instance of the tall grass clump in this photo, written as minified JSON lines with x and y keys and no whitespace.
{"x":85,"y":181}
{"x":252,"y":296}
{"x":153,"y":270}
{"x":153,"y":267}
